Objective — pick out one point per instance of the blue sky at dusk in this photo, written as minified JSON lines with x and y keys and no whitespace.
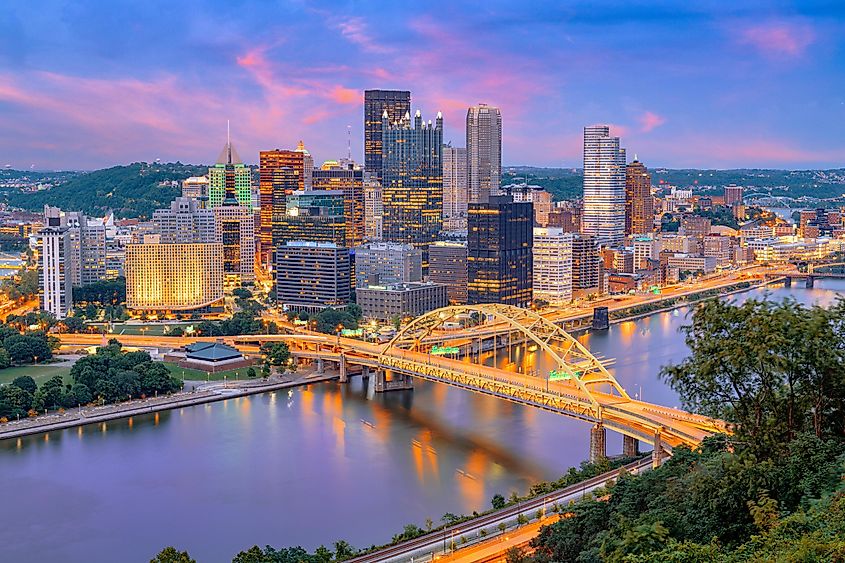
{"x":87,"y":84}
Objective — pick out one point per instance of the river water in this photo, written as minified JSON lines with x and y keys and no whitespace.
{"x":309,"y":466}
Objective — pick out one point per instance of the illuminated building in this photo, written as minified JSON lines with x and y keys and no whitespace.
{"x":196,"y":187}
{"x":280,"y":173}
{"x":229,"y":175}
{"x":733,"y":194}
{"x":184,"y":222}
{"x":586,"y":266}
{"x":384,"y":263}
{"x":312,"y":275}
{"x":400,"y":300}
{"x":85,"y":254}
{"x":376,"y":102}
{"x":447,"y":265}
{"x":552,"y":270}
{"x":484,"y":151}
{"x":235,"y":230}
{"x":499,"y":241}
{"x":54,"y":277}
{"x":604,"y":186}
{"x":314,"y":215}
{"x":540,"y":198}
{"x":173,"y":277}
{"x":373,"y":210}
{"x":639,"y":203}
{"x":348,"y":178}
{"x":455,"y":192}
{"x":412,"y":192}
{"x":694,"y":226}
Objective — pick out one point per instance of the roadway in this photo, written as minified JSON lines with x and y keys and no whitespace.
{"x":432,"y":544}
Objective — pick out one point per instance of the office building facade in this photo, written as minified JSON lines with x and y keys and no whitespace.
{"x":184,"y":222}
{"x":385,"y":263}
{"x":499,"y":258}
{"x":348,"y":178}
{"x":455,"y":190}
{"x":397,"y":103}
{"x":412,"y":184}
{"x":587,"y":270}
{"x":552,"y":254}
{"x":447,"y":265}
{"x":639,"y":203}
{"x":235,"y":230}
{"x":311,"y":276}
{"x":229,"y":175}
{"x":604,"y":186}
{"x":373,"y":210}
{"x":314,"y":215}
{"x":400,"y":300}
{"x":484,"y":151}
{"x":280,"y":172}
{"x":54,"y":276}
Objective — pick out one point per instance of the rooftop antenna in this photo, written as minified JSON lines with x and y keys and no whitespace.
{"x":228,"y":144}
{"x":349,"y":142}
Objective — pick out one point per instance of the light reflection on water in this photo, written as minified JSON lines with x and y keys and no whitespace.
{"x":321,"y":463}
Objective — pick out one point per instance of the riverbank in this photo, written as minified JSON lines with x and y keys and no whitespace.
{"x":199,"y":394}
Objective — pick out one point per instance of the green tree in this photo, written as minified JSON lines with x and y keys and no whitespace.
{"x":498,"y":502}
{"x":343,"y":551}
{"x":5,"y":359}
{"x":172,"y":555}
{"x":26,"y":383}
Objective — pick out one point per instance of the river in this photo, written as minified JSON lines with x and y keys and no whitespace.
{"x":307,"y":467}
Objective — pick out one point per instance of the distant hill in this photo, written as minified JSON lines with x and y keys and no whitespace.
{"x":134,"y":190}
{"x":566,"y":183}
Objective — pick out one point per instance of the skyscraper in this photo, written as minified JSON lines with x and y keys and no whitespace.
{"x":448,"y":266}
{"x":552,"y":265}
{"x":373,"y":209}
{"x":54,"y":277}
{"x":280,"y":173}
{"x":733,"y":194}
{"x":229,"y":174}
{"x":499,"y":241}
{"x":396,"y":103}
{"x":312,"y":275}
{"x":586,"y":266}
{"x":455,"y":191}
{"x":639,"y":203}
{"x":347,"y":177}
{"x":235,"y":230}
{"x":314,"y":215}
{"x":412,"y":193}
{"x":184,"y":222}
{"x":484,"y":151}
{"x":604,"y":186}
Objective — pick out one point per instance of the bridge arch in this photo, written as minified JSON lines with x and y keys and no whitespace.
{"x":575,"y":363}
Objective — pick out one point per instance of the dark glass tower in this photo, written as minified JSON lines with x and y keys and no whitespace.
{"x":397,"y":103}
{"x":500,"y":238}
{"x":412,"y":192}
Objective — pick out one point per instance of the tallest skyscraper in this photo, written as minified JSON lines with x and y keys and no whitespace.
{"x":484,"y":152}
{"x":397,"y":103}
{"x":604,"y":186}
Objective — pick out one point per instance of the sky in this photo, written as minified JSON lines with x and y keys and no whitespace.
{"x":93,"y":83}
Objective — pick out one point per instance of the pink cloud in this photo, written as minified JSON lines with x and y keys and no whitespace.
{"x":355,"y":30}
{"x":649,"y":121}
{"x":779,"y":38}
{"x":343,"y":95}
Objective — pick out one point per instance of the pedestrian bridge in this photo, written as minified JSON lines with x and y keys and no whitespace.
{"x":431,"y":348}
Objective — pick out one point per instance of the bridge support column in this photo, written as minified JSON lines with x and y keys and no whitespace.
{"x":657,"y":454}
{"x":392,"y":382}
{"x":810,"y":282}
{"x":320,"y":365}
{"x":601,"y":320}
{"x":787,"y":282}
{"x":630,"y":446}
{"x":598,"y":442}
{"x":365,"y":372}
{"x":344,"y":376}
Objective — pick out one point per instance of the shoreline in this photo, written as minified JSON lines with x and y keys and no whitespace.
{"x":72,"y":418}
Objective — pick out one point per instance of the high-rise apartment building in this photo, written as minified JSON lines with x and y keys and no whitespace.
{"x":85,"y":254}
{"x":396,"y":103}
{"x":639,"y":203}
{"x":484,"y":151}
{"x":373,"y":210}
{"x":552,"y":265}
{"x":312,"y":275}
{"x":733,"y":194}
{"x":448,"y":266}
{"x":383,"y":263}
{"x":176,"y":277}
{"x":184,"y":222}
{"x":280,"y":173}
{"x":499,"y":240}
{"x":604,"y":186}
{"x":54,"y":277}
{"x":229,"y":175}
{"x":412,"y":192}
{"x":347,"y":177}
{"x":587,"y":271}
{"x":455,"y":189}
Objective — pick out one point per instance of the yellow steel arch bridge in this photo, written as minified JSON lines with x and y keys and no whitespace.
{"x":579,"y":386}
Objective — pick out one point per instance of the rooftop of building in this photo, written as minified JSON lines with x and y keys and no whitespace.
{"x":211,"y":352}
{"x":405,"y":286}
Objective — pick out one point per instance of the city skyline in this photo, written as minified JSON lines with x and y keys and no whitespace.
{"x":684,"y":86}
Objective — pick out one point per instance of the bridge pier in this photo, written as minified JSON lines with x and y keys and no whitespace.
{"x":810,"y":282}
{"x":787,"y":281}
{"x":344,"y":376}
{"x":365,"y":372}
{"x":320,"y":366}
{"x":630,"y":446}
{"x":393,"y":382}
{"x":598,"y":442}
{"x":601,"y":320}
{"x":657,"y":454}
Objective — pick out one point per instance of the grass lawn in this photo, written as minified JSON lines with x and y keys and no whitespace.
{"x":150,"y":329}
{"x":39,"y":373}
{"x":195,"y":374}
